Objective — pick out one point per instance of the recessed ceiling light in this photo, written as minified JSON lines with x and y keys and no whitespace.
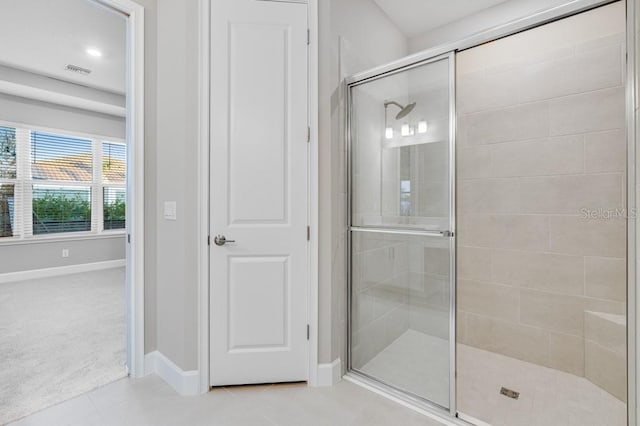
{"x":94,"y":52}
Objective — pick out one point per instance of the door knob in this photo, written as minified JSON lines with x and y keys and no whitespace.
{"x":221,"y":240}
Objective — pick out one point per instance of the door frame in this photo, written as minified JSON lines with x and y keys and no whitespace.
{"x":203,"y":190}
{"x":535,"y":20}
{"x":134,"y":291}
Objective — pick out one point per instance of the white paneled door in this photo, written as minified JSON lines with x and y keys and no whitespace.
{"x":259,"y":163}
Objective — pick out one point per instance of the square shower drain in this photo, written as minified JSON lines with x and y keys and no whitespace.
{"x":509,"y":393}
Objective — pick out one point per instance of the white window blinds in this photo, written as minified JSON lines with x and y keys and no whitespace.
{"x":55,"y":183}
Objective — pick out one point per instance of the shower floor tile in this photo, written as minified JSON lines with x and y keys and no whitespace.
{"x":418,"y":363}
{"x":547,"y":396}
{"x":415,"y":362}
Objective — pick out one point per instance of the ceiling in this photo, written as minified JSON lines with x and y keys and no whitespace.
{"x":415,"y":17}
{"x":43,"y":36}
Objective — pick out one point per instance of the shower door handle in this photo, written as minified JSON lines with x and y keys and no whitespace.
{"x":447,"y":234}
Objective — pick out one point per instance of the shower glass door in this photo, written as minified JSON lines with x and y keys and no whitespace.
{"x":401,"y":230}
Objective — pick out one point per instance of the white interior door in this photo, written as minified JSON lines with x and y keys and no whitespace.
{"x":259,"y":163}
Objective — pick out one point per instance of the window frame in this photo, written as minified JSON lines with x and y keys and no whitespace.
{"x":23,"y":199}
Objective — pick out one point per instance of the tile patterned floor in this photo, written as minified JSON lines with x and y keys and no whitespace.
{"x":548,"y":397}
{"x":150,"y":401}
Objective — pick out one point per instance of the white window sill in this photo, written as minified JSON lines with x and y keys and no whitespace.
{"x":10,"y":241}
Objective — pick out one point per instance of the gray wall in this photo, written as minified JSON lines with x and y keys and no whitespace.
{"x":176,"y":162}
{"x":354,"y":35}
{"x":36,"y":255}
{"x":150,"y":174}
{"x":29,"y":256}
{"x":171,"y":32}
{"x":21,"y":110}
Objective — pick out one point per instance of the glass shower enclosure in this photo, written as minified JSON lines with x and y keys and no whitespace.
{"x":400,"y":144}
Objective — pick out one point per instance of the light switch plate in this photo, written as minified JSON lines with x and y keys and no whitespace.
{"x":170,"y":210}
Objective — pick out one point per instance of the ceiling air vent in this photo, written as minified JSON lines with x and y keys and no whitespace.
{"x":77,"y":69}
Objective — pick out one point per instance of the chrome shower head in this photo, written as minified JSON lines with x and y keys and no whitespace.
{"x":404,"y":110}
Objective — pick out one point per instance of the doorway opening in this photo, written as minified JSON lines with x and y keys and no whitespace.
{"x":71,"y":283}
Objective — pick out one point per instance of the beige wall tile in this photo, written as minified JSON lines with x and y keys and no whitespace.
{"x":475,"y":230}
{"x":431,"y":199}
{"x":473,"y":162}
{"x":496,"y":301}
{"x":396,"y":323}
{"x":606,"y":306}
{"x":461,"y":327}
{"x":607,"y":330}
{"x":588,"y":237}
{"x":566,"y":353}
{"x":549,"y":156}
{"x":376,"y":266}
{"x":541,"y":271}
{"x":469,"y":92}
{"x":437,"y":260}
{"x":522,"y":232}
{"x":488,"y":196}
{"x":597,"y":68}
{"x":554,"y":312}
{"x":362,"y":310}
{"x":508,"y":338}
{"x":539,"y":141}
{"x":606,"y":278}
{"x":500,"y":89}
{"x":588,"y":112}
{"x":433,"y":322}
{"x":570,"y":194}
{"x":387,"y":296}
{"x":508,"y":124}
{"x":474,"y":263}
{"x":606,"y":369}
{"x":606,"y":152}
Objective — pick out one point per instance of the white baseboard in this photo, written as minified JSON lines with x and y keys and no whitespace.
{"x":186,"y":383}
{"x":61,"y":270}
{"x":329,"y":374}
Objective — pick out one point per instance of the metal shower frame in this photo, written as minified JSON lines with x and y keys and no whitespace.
{"x":448,"y":52}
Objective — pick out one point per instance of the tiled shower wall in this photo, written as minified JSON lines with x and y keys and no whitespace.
{"x":380,"y":293}
{"x":541,"y":138}
{"x":400,"y":282}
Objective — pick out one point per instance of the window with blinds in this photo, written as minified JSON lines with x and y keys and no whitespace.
{"x":114,"y":167}
{"x":8,"y":176}
{"x":62,"y":173}
{"x":54,"y":183}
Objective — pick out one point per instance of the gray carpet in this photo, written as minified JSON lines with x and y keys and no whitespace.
{"x":59,"y":337}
